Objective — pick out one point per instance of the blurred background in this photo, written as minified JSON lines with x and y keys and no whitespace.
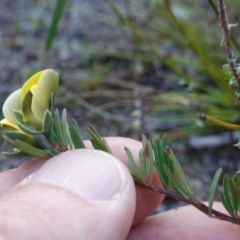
{"x":131,"y":68}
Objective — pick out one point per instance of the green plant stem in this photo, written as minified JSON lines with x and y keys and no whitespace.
{"x":200,"y":206}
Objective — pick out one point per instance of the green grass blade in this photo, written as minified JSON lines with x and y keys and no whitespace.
{"x":57,"y":14}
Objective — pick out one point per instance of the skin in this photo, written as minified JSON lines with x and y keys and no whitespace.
{"x":65,"y":198}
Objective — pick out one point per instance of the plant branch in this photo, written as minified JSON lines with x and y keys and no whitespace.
{"x":226,"y":27}
{"x":202,"y":207}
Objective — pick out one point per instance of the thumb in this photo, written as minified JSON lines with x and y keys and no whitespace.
{"x":80,"y":194}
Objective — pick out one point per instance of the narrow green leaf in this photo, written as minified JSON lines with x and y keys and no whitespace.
{"x":227,"y":196}
{"x":178,"y":187}
{"x":213,"y":189}
{"x":20,"y":136}
{"x":106,"y":146}
{"x":74,"y":123}
{"x":131,"y":160}
{"x":150,"y":162}
{"x":97,"y":142}
{"x":47,"y":121}
{"x":157,"y":161}
{"x":236,"y":180}
{"x":164,"y":155}
{"x":137,"y":175}
{"x":57,"y":128}
{"x":29,"y":139}
{"x":234,"y":195}
{"x":226,"y":204}
{"x":52,"y":104}
{"x":65,"y":130}
{"x":52,"y":152}
{"x":238,"y":193}
{"x":94,"y":131}
{"x":26,"y":127}
{"x":160,"y":160}
{"x":146,"y":160}
{"x":30,"y":150}
{"x":169,"y":161}
{"x":76,"y":138}
{"x":53,"y":137}
{"x":179,"y":172}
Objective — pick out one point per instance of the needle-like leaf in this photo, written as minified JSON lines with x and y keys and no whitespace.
{"x":213,"y":189}
{"x":97,"y":141}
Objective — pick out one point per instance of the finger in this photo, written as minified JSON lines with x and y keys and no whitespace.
{"x":147,"y":200}
{"x":184,"y":223}
{"x":11,"y":177}
{"x":80,"y":194}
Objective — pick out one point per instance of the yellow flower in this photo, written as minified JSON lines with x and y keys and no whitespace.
{"x":33,"y":99}
{"x":12,"y":102}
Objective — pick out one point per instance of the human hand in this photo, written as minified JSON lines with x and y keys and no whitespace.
{"x":88,"y":194}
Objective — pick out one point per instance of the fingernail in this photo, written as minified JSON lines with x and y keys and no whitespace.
{"x":94,"y":175}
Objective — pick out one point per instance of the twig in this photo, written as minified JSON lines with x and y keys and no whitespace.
{"x":224,"y":23}
{"x":202,"y":207}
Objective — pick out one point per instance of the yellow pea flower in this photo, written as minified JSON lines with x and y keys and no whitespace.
{"x":12,"y":102}
{"x":33,"y":99}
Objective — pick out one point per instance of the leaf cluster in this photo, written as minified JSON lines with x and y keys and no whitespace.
{"x":55,"y":135}
{"x":157,"y":157}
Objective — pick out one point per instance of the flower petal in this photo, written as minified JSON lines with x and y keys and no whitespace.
{"x":27,"y":110}
{"x":6,"y":123}
{"x":42,"y":92}
{"x":12,"y":103}
{"x":29,"y":83}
